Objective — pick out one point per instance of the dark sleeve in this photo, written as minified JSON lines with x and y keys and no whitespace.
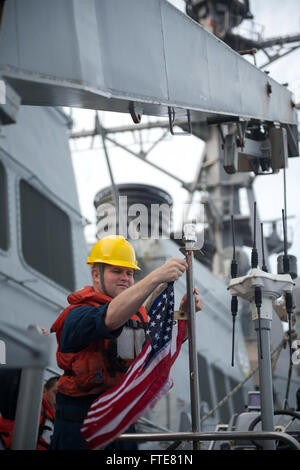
{"x":85,"y":325}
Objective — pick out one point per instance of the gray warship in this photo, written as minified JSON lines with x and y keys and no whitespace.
{"x":73,"y":54}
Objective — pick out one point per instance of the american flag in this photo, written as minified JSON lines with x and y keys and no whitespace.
{"x":146,"y":381}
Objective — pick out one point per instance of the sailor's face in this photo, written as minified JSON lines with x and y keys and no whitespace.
{"x":116,"y":279}
{"x":51,"y":395}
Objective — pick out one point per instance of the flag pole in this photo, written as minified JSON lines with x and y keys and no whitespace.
{"x":190,"y":240}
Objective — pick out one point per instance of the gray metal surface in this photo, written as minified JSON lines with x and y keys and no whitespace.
{"x":68,"y":53}
{"x":30,"y":351}
{"x":212,"y":338}
{"x":105,"y":54}
{"x":36,"y":150}
{"x":265,"y":379}
{"x":24,"y":348}
{"x":193,"y":362}
{"x":28,"y":410}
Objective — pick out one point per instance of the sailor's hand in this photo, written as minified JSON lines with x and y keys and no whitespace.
{"x":170,"y":271}
{"x":198,"y":302}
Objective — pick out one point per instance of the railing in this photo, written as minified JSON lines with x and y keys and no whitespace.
{"x":213,"y":436}
{"x":27,"y":350}
{"x":34,"y":359}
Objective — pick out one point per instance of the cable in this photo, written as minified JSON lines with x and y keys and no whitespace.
{"x":289,"y":309}
{"x":254,"y":253}
{"x":234,"y":299}
{"x":277,"y":350}
{"x":258,"y":302}
{"x":264,"y":267}
{"x":288,"y":295}
{"x":284,"y":191}
{"x":234,"y":310}
{"x":252,"y":425}
{"x":286,"y":259}
{"x":257,"y":290}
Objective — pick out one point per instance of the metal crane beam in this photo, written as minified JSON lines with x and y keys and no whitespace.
{"x":106,"y":55}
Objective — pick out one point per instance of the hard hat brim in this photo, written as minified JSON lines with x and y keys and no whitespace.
{"x":121,"y":263}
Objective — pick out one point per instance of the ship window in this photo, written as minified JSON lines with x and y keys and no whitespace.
{"x":238,"y":400}
{"x":46,"y":237}
{"x":221,"y":393}
{"x":3,"y":209}
{"x":204,"y":385}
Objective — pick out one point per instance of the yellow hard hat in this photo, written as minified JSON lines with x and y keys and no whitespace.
{"x":115,"y":250}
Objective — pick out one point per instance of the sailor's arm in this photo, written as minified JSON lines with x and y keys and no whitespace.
{"x":184,"y":307}
{"x":122,"y":307}
{"x":198,"y":302}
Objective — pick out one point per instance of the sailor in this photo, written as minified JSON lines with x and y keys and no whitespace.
{"x":10,"y":380}
{"x":47,"y":413}
{"x":101,"y":332}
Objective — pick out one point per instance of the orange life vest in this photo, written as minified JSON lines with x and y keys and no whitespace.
{"x":97,"y":367}
{"x":45,"y":428}
{"x":46,"y":425}
{"x":6,"y":432}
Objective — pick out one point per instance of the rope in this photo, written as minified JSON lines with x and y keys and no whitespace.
{"x":239,"y":386}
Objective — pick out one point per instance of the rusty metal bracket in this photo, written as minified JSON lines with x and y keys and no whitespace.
{"x":180,"y":315}
{"x":171,"y":112}
{"x":136,"y":117}
{"x":196,"y":252}
{"x":241,"y":132}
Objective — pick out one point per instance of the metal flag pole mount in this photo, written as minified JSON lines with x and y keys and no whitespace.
{"x":190,"y":239}
{"x":261,"y":288}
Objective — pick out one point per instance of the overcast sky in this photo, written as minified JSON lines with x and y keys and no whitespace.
{"x":181,"y":154}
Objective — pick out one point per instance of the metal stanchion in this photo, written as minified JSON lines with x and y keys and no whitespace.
{"x":190,"y":239}
{"x":261,"y":288}
{"x":28,"y":411}
{"x":265,"y":380}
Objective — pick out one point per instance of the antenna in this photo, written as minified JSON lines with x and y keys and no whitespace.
{"x":234,"y":265}
{"x":258,"y":302}
{"x":288,"y":295}
{"x":254,"y":253}
{"x":264,"y":267}
{"x":286,"y":260}
{"x":257,"y":291}
{"x":234,"y":300}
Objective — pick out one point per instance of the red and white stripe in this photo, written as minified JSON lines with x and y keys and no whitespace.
{"x":139,"y":390}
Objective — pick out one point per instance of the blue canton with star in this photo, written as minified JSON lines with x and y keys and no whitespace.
{"x":160,"y":324}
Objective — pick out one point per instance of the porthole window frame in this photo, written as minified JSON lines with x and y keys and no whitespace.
{"x":29,"y":266}
{"x":5,"y":249}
